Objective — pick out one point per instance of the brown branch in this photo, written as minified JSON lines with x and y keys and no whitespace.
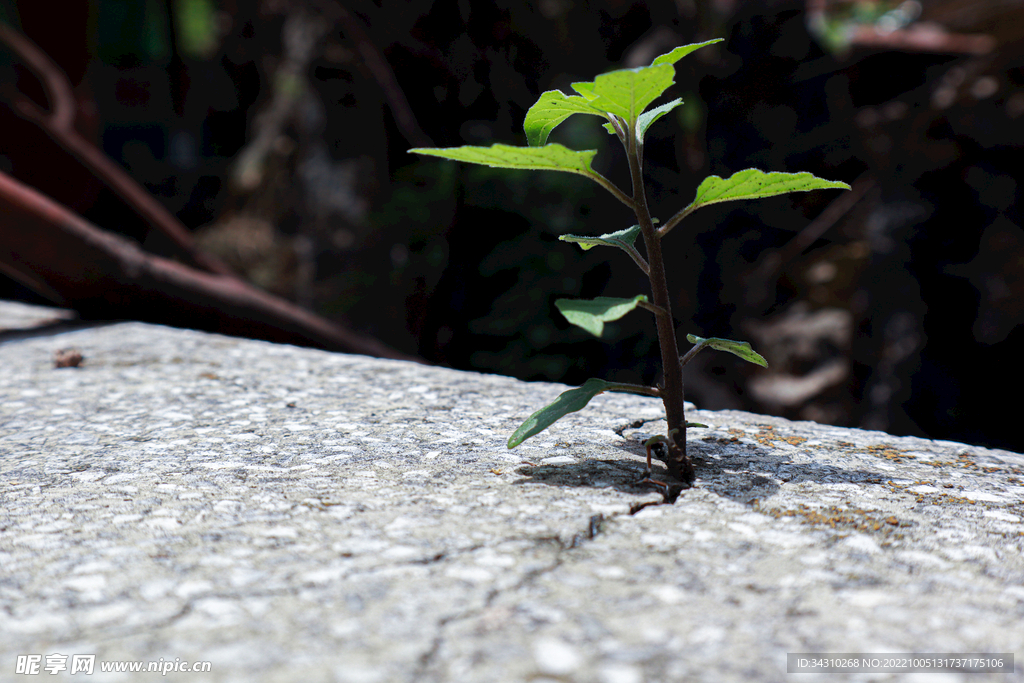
{"x":385,"y":77}
{"x":771,"y":263}
{"x":300,"y":37}
{"x":921,"y":36}
{"x":55,"y":84}
{"x":924,"y":37}
{"x":58,"y":123}
{"x":103,"y":275}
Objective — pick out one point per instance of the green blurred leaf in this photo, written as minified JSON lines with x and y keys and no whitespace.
{"x":551,"y":109}
{"x":567,"y":402}
{"x":649,"y":117}
{"x":681,"y":51}
{"x":622,"y":239}
{"x":553,"y":157}
{"x":741,"y":349}
{"x":197,"y":27}
{"x":592,"y":314}
{"x":755,"y":184}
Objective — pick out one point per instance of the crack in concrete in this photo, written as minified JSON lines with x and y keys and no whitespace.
{"x":188,"y":606}
{"x":595,"y":526}
{"x":636,"y":424}
{"x":444,"y":555}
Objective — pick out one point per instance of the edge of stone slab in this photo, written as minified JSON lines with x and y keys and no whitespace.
{"x":37,"y":316}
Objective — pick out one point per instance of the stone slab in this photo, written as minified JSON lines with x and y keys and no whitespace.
{"x":19,"y":317}
{"x":288,"y":514}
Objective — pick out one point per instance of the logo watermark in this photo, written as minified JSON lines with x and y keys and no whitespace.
{"x":52,"y":664}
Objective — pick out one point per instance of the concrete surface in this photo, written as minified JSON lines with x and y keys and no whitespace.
{"x":287,"y":514}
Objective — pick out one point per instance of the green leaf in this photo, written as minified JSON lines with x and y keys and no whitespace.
{"x":741,"y":349}
{"x":553,"y":157}
{"x":551,"y":109}
{"x":592,"y":314}
{"x":567,"y":402}
{"x":696,"y":424}
{"x":682,"y":51}
{"x":585,"y":88}
{"x":755,"y":184}
{"x":623,"y":239}
{"x":627,"y":92}
{"x":649,"y":117}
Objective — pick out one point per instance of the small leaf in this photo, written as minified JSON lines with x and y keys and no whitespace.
{"x":585,"y":88}
{"x":623,"y":239}
{"x":741,"y":349}
{"x":682,"y":51}
{"x":551,"y":109}
{"x":567,"y":402}
{"x":696,"y":424}
{"x":592,"y":314}
{"x":649,"y":117}
{"x":755,"y":184}
{"x":553,"y":157}
{"x":627,"y":92}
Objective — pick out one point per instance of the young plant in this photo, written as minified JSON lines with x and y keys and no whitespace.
{"x":622,"y":99}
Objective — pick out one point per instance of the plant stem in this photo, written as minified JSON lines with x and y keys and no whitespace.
{"x":635,"y":389}
{"x":610,"y":186}
{"x":693,"y":352}
{"x":637,"y":259}
{"x":674,"y":221}
{"x":656,"y":310}
{"x":679,"y":465}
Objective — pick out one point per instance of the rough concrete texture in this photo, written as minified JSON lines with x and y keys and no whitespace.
{"x":293,"y":515}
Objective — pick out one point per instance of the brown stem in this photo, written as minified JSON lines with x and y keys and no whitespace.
{"x":679,"y":465}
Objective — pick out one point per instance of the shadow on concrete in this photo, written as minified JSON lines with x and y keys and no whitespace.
{"x":742,"y":472}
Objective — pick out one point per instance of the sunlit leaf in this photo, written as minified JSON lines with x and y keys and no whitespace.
{"x":755,"y":184}
{"x":551,"y":109}
{"x":627,"y":92}
{"x":681,"y":51}
{"x":649,"y":117}
{"x":592,"y":314}
{"x":585,"y":88}
{"x":567,"y":402}
{"x":622,"y":239}
{"x":553,"y":157}
{"x":741,"y":349}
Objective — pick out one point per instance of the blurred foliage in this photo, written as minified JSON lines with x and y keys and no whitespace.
{"x":132,"y":31}
{"x":835,"y":27}
{"x":197,"y":27}
{"x":868,"y":323}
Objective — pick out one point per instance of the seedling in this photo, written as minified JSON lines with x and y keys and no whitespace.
{"x":622,"y":99}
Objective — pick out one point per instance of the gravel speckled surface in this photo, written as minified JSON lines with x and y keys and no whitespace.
{"x":288,"y":514}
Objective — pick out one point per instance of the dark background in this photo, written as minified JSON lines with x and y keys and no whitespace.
{"x":278,"y":131}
